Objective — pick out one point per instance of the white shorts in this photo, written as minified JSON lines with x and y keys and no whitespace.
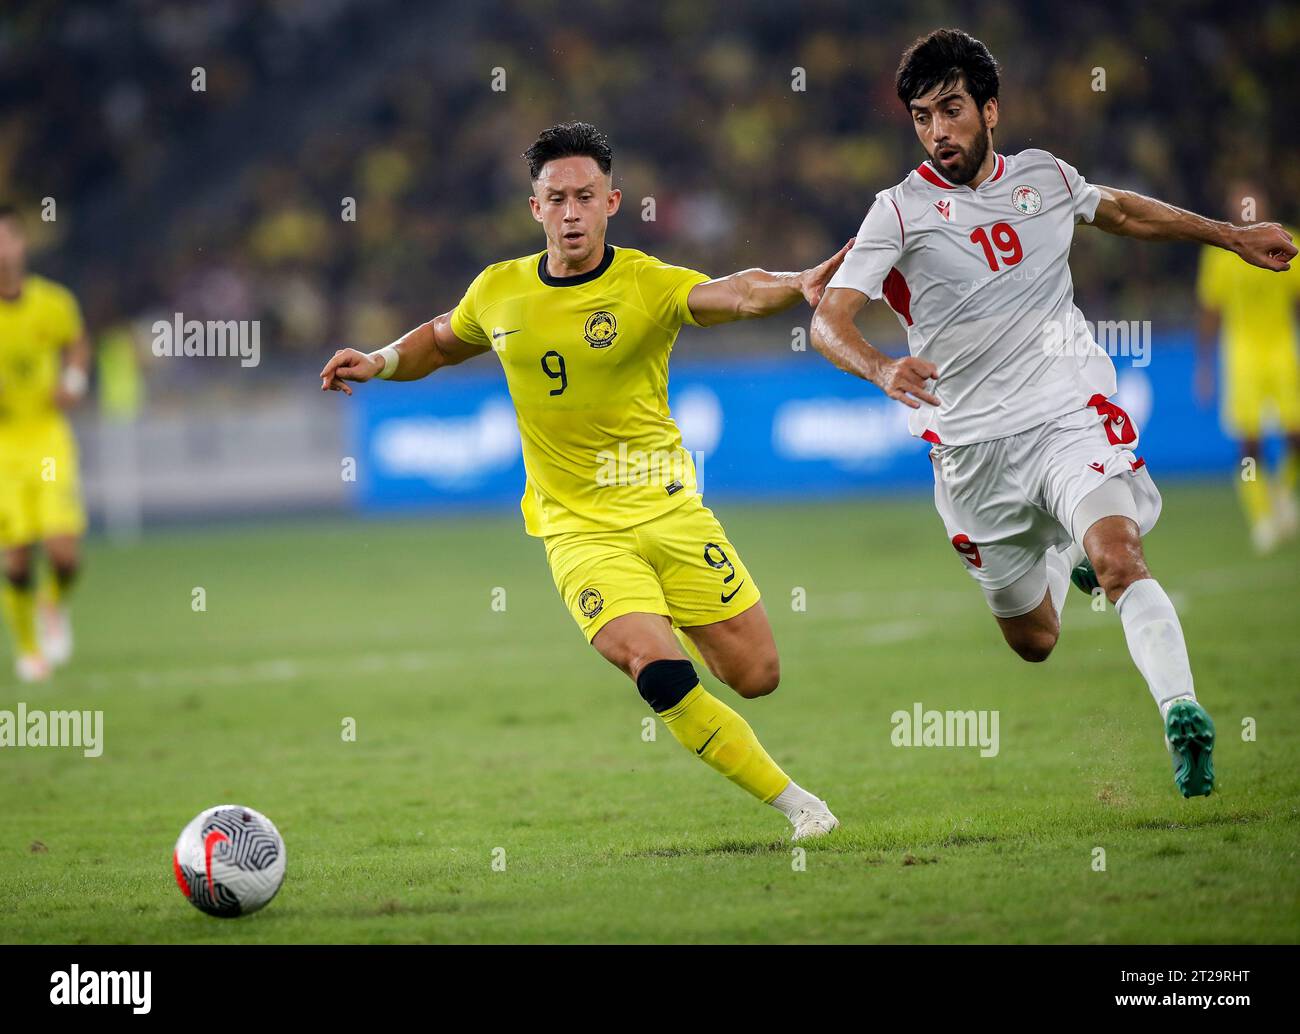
{"x":1005,"y":502}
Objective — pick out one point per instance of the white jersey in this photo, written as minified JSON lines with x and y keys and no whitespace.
{"x":980,"y":279}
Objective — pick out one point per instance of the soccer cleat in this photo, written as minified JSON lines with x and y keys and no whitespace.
{"x":1286,"y":516}
{"x":1084,"y":577}
{"x":32,"y":667}
{"x":56,"y":633}
{"x":1189,"y":734}
{"x":813,"y":821}
{"x":1264,"y":536}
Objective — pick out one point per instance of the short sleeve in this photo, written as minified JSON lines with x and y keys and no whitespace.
{"x":665,"y":290}
{"x":465,"y":317}
{"x":878,"y":247}
{"x":1209,"y":279}
{"x":1084,"y":196}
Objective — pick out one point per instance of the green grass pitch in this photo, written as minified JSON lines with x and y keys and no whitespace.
{"x":479,"y":729}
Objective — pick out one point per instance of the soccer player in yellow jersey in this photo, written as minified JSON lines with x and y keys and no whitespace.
{"x":1253,"y":313}
{"x":44,"y":357}
{"x":583,"y":331}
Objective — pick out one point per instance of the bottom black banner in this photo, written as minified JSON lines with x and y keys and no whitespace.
{"x":355,"y":982}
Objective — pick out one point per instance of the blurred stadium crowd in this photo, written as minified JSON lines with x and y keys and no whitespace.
{"x":226,"y":203}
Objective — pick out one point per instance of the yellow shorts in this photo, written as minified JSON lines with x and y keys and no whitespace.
{"x":680,"y":565}
{"x":40,"y":485}
{"x":1259,"y":387}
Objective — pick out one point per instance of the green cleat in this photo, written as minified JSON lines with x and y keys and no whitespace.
{"x":1189,"y":733}
{"x":1085,"y":577}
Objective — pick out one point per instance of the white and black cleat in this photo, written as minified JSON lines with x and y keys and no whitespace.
{"x":813,"y":821}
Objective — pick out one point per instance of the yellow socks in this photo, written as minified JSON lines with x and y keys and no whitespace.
{"x":20,"y":615}
{"x":1290,"y":471}
{"x":1254,"y":497}
{"x":723,"y":740}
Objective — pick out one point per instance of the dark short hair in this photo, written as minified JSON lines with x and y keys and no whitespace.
{"x":943,"y":59}
{"x":569,"y":140}
{"x":8,"y":211}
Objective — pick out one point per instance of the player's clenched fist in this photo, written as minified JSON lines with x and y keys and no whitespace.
{"x":348,"y":364}
{"x":904,"y":379}
{"x":1266,"y":245}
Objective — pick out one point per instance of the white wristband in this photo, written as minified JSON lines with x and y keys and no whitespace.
{"x":389,"y":352}
{"x":75,"y":381}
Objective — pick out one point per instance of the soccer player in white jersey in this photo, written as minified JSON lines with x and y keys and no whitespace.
{"x":1036,"y":475}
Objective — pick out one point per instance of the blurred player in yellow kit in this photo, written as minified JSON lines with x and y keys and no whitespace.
{"x":44,"y":355}
{"x":583,"y":331}
{"x":1252,"y":311}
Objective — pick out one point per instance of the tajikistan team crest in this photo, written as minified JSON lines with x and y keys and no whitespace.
{"x":1026,"y":200}
{"x":601,"y":329}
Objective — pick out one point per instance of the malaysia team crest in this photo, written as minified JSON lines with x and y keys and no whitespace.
{"x":590,"y":602}
{"x":601,"y":329}
{"x":1026,"y":200}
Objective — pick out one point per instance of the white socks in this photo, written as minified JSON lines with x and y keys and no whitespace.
{"x":1155,"y":639}
{"x":792,"y":798}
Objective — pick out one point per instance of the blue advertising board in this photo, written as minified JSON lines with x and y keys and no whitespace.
{"x":793,"y":428}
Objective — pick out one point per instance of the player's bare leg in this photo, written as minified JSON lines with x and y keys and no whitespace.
{"x":1033,"y":635}
{"x":634,"y":641}
{"x":62,"y":552}
{"x":644,"y":648}
{"x":20,"y":614}
{"x":1155,"y":640}
{"x":1114,"y":547}
{"x":741,"y":652}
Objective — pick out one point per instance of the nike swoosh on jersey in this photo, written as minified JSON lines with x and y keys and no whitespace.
{"x":504,"y":333}
{"x":728,"y":599}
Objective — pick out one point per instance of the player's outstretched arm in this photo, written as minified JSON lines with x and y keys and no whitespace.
{"x":1127,"y":214}
{"x":418,"y":353}
{"x":835,"y":336}
{"x":753,"y":293}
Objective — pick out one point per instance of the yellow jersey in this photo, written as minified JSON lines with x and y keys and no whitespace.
{"x":35,"y":327}
{"x":586,"y":363}
{"x":1256,"y":306}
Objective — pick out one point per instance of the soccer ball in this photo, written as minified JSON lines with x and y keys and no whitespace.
{"x":229,"y":861}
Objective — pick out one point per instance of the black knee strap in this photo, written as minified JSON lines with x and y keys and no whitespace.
{"x":663,"y":684}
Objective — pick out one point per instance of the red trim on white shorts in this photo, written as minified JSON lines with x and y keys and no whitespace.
{"x":1118,"y":424}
